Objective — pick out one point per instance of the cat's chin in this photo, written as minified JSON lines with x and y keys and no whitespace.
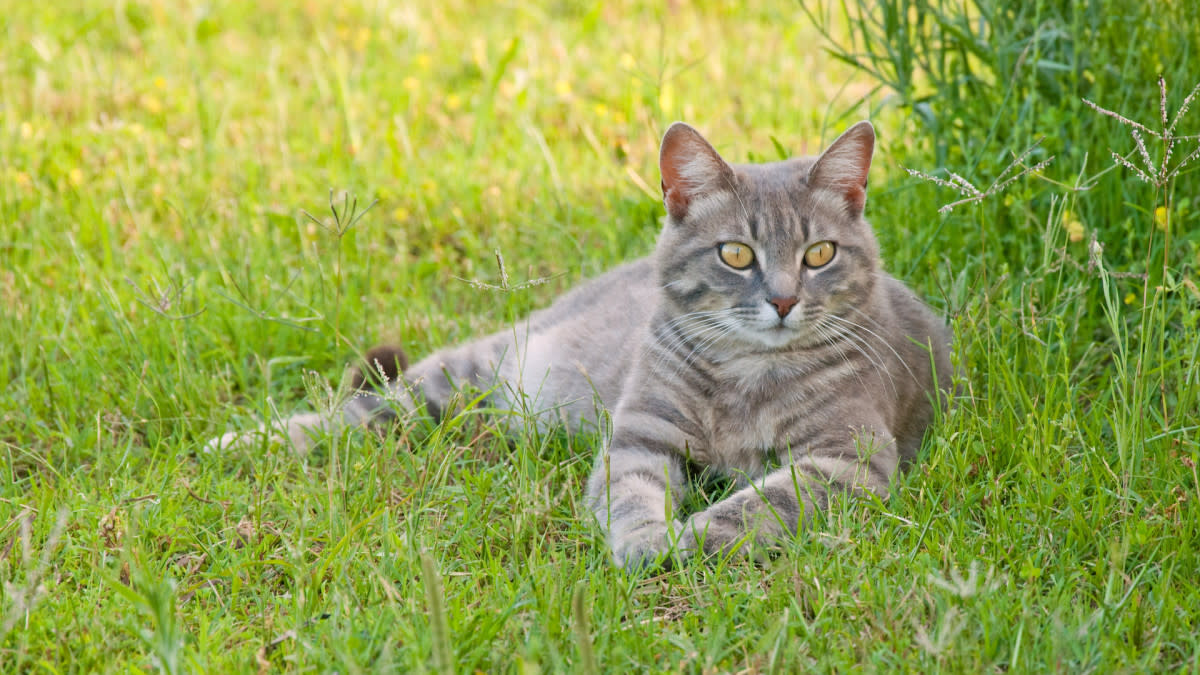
{"x":774,"y":336}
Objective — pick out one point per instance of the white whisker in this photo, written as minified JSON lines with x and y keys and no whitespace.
{"x":829,"y":335}
{"x":865,"y":348}
{"x":703,"y":327}
{"x":882,"y":341}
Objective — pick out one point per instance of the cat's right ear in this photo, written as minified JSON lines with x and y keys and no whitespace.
{"x":843,"y":166}
{"x":691,"y":170}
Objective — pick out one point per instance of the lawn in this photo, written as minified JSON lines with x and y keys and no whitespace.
{"x":209,"y":210}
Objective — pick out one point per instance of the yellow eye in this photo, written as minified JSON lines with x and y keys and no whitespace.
{"x":819,"y":255}
{"x":735,"y":254}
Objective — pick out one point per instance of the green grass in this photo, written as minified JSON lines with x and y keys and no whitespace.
{"x":160,"y":283}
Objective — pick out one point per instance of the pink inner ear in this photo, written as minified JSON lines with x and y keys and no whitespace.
{"x":691,"y":169}
{"x":677,"y":204}
{"x":673,"y":155}
{"x":856,"y":199}
{"x":862,"y":152}
{"x":845,"y":165}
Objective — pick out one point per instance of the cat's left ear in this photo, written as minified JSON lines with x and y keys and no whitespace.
{"x":691,"y":170}
{"x":843,"y":166}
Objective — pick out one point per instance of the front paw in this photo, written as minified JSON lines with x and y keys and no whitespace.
{"x":651,"y":546}
{"x":713,"y":536}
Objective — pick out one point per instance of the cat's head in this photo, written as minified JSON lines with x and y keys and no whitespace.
{"x":766,"y":255}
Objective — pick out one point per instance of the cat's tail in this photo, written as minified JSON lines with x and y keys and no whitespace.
{"x":382,"y":365}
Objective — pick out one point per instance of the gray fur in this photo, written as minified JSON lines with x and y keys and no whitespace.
{"x":702,"y":367}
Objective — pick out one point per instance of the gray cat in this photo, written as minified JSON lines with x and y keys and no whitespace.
{"x":761,"y":341}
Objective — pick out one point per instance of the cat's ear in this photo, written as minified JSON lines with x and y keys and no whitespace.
{"x":691,"y":170}
{"x":843,"y":166}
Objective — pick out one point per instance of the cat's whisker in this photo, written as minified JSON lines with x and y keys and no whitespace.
{"x":828,"y":335}
{"x":868,"y":317}
{"x":695,"y":326}
{"x":683,"y":325}
{"x":700,"y":351}
{"x":863,"y":347}
{"x":702,"y":346}
{"x":703,"y":339}
{"x":712,"y":327}
{"x":683,"y":319}
{"x":881,"y":327}
{"x":882,"y":341}
{"x":877,"y":324}
{"x":672,"y":349}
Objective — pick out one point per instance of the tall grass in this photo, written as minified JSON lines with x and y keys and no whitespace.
{"x":1076,"y":300}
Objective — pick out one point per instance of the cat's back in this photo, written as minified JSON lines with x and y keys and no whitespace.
{"x":618,"y":299}
{"x":580,"y":347}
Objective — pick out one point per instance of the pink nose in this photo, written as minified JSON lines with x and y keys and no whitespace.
{"x":783,"y":305}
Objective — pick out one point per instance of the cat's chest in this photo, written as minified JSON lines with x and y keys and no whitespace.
{"x":743,"y":442}
{"x":754,"y":418}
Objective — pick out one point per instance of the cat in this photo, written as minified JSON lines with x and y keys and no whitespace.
{"x":761,"y":341}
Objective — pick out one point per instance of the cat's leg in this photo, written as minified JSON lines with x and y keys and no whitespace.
{"x":770,"y":510}
{"x":382,"y":365}
{"x":430,"y":387}
{"x":427,"y":387}
{"x":637,"y":483}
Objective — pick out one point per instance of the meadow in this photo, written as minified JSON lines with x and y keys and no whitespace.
{"x":209,"y":210}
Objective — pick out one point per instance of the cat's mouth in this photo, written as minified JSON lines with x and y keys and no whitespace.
{"x":797,"y":329}
{"x":774,"y":334}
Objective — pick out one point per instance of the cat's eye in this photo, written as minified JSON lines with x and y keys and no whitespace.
{"x":819,"y":255}
{"x":736,"y":254}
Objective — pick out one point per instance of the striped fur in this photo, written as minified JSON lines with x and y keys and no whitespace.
{"x":798,"y":382}
{"x":831,"y":398}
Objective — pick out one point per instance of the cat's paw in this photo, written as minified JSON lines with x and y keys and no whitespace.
{"x":649,"y":547}
{"x":295,"y":432}
{"x":240,"y":440}
{"x":701,"y":535}
{"x":709,"y":535}
{"x":247,"y":439}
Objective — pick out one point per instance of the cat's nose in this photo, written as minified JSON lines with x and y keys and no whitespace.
{"x":783,"y":305}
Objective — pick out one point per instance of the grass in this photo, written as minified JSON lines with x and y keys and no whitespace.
{"x":161,"y":283}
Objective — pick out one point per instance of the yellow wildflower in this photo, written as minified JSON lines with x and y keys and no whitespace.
{"x":666,"y":98}
{"x":151,"y":104}
{"x":1160,"y":218}
{"x":1073,"y":226}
